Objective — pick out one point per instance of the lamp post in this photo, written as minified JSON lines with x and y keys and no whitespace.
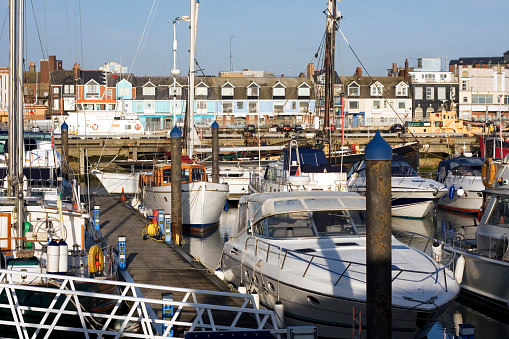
{"x":175,"y":71}
{"x":500,"y":123}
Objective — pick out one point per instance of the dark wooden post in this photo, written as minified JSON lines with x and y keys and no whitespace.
{"x":176,"y":185}
{"x":378,"y":238}
{"x":215,"y":152}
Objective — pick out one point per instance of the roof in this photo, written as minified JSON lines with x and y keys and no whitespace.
{"x":389,"y":84}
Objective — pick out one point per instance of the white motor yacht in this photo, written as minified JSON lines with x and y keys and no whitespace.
{"x":412,"y":196}
{"x":304,"y":254}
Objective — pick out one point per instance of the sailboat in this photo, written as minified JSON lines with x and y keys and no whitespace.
{"x":39,"y":235}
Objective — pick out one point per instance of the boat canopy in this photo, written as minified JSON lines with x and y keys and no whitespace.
{"x":460,"y":163}
{"x":268,"y":204}
{"x":311,"y":161}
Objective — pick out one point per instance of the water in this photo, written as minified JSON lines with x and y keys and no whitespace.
{"x":208,"y":250}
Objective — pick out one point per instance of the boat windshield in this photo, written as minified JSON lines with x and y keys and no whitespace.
{"x":500,"y":213}
{"x":402,"y":169}
{"x":312,"y":224}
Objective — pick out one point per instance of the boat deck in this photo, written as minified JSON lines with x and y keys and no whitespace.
{"x":156,"y":262}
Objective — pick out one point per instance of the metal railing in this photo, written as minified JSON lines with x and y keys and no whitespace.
{"x":63,"y":304}
{"x":308,"y":258}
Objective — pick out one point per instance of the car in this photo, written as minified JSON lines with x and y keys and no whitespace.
{"x":250,"y":128}
{"x":397,"y":128}
{"x":287,"y":128}
{"x":297,"y":128}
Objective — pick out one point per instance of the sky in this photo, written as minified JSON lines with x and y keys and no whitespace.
{"x":279,"y":36}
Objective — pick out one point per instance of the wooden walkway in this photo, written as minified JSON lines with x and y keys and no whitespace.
{"x":156,"y":262}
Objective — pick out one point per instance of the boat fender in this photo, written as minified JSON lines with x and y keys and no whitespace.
{"x":53,"y":253}
{"x":488,"y":172}
{"x":479,"y":214}
{"x":437,"y":250}
{"x":279,"y":310}
{"x":242,"y":289}
{"x":63,"y":256}
{"x":460,"y":192}
{"x":95,"y":259}
{"x":451,"y":192}
{"x":256,"y":300}
{"x":460,"y":268}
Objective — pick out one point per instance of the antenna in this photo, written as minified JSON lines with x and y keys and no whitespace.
{"x":231,"y":56}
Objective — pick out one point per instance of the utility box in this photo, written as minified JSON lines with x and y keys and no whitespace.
{"x":167,"y":311}
{"x":122,"y":263}
{"x":97,"y":218}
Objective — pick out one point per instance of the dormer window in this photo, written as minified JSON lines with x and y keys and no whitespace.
{"x":92,"y":90}
{"x":175,"y":90}
{"x":227,"y":91}
{"x":201,"y":90}
{"x":278,"y":91}
{"x":149,"y":89}
{"x":253,"y":90}
{"x":354,"y":89}
{"x":304,"y":91}
{"x":376,"y":89}
{"x":402,"y":90}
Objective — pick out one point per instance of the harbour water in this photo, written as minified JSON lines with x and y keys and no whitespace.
{"x":487,"y":324}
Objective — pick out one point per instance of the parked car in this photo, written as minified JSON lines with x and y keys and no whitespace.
{"x":274,"y":128}
{"x":397,"y":128}
{"x":297,"y":128}
{"x":287,"y":128}
{"x":250,"y":128}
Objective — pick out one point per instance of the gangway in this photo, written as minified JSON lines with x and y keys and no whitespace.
{"x":66,"y":307}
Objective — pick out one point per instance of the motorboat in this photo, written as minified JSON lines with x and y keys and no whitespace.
{"x":299,"y":168}
{"x":118,"y":182}
{"x":304,"y":254}
{"x":463,"y":178}
{"x":202,"y":201}
{"x":412,"y":196}
{"x":236,"y":177}
{"x":482,"y":251}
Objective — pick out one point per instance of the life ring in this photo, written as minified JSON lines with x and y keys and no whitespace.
{"x":488,"y":172}
{"x":95,"y":127}
{"x":137,"y":127}
{"x":440,"y":123}
{"x":438,"y":130}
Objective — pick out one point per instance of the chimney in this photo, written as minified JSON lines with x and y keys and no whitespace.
{"x":302,"y":75}
{"x":77,"y":70}
{"x":44,"y":66}
{"x":31,"y":67}
{"x":282,"y":75}
{"x":59,"y":65}
{"x":394,"y":68}
{"x":358,"y":73}
{"x":52,"y":62}
{"x":311,"y":70}
{"x":406,"y":70}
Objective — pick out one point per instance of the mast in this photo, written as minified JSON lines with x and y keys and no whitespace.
{"x":190,"y":117}
{"x":329,"y":64}
{"x":16,"y":111}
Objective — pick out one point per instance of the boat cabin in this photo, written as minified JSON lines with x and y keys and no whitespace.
{"x":161,"y":173}
{"x":96,"y":105}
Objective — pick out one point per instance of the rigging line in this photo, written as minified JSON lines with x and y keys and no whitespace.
{"x":37,"y":29}
{"x":369,"y":75}
{"x":68,"y":30}
{"x":81,"y":36}
{"x":75,"y":32}
{"x":141,"y":39}
{"x":5,"y":20}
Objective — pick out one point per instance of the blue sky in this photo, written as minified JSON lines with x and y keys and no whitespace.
{"x":279,"y":36}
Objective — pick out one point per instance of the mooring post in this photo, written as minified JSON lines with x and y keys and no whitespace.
{"x":176,"y":185}
{"x":215,"y":152}
{"x":64,"y":129}
{"x":378,"y":238}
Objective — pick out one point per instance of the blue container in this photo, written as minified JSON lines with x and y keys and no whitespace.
{"x":122,"y":263}
{"x":167,"y":230}
{"x":97,"y":218}
{"x":167,"y":311}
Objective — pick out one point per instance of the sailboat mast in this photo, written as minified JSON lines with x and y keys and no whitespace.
{"x":190,"y":110}
{"x":329,"y":63}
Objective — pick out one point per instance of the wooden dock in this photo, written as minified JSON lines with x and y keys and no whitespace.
{"x":156,"y":262}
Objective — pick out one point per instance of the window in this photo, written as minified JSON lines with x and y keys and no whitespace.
{"x":418,"y":93}
{"x":482,"y":98}
{"x":304,"y":91}
{"x":252,"y":91}
{"x":149,"y":90}
{"x":278,"y":91}
{"x":464,"y":85}
{"x":376,"y":89}
{"x":110,"y":94}
{"x":294,"y":105}
{"x":177,"y":91}
{"x":452,"y":93}
{"x":240,"y":105}
{"x":401,"y":104}
{"x":68,"y":89}
{"x":441,"y":93}
{"x":401,"y":91}
{"x":201,"y":105}
{"x":303,"y":107}
{"x":123,"y":91}
{"x":227,"y":107}
{"x":56,"y":104}
{"x":430,"y":93}
{"x":429,"y":77}
{"x":506,"y":99}
{"x":227,"y":90}
{"x":200,"y":91}
{"x":149,"y":106}
{"x":56,"y":90}
{"x":279,"y":107}
{"x":377,"y":104}
{"x":353,"y":104}
{"x":92,"y":89}
{"x":465,"y":99}
{"x":253,"y":107}
{"x":354,"y":90}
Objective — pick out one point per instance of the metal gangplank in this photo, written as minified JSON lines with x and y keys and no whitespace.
{"x":63,"y":304}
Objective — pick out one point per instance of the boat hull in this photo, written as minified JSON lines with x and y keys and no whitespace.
{"x":118,"y":182}
{"x":466,"y":204}
{"x":202,"y":203}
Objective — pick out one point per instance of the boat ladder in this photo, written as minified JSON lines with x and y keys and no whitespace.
{"x":34,"y":305}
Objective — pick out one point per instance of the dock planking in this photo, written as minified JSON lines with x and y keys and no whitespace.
{"x":156,"y":262}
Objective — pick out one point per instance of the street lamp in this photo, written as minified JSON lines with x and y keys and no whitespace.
{"x":175,"y":71}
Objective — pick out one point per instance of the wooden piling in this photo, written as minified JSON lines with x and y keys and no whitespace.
{"x":176,"y":185}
